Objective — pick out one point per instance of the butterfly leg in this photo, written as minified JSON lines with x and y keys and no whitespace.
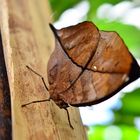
{"x":37,"y":101}
{"x":68,"y":118}
{"x":42,"y":78}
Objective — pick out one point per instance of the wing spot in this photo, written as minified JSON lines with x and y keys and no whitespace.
{"x":94,"y":68}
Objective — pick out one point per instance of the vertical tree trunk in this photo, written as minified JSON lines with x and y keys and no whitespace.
{"x":5,"y":108}
{"x":27,"y":40}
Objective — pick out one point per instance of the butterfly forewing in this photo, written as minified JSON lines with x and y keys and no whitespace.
{"x":111,"y":55}
{"x":80,"y":41}
{"x":101,"y":58}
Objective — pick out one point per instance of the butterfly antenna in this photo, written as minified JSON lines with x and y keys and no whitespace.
{"x":42,"y":78}
{"x":68,"y":118}
{"x":38,"y":101}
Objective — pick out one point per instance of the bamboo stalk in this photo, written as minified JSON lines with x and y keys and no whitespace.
{"x":27,"y":40}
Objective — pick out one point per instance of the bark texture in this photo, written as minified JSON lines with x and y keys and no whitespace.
{"x":28,"y":40}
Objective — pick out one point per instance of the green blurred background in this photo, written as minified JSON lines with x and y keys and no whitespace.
{"x":121,"y":119}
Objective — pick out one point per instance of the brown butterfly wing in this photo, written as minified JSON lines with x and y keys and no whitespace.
{"x":111,"y":66}
{"x":111,"y":55}
{"x":61,"y":71}
{"x":64,"y":64}
{"x":79,"y":42}
{"x":107,"y":71}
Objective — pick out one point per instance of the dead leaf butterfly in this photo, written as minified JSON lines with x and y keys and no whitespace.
{"x":88,"y":66}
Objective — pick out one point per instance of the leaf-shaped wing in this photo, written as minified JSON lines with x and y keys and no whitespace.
{"x":79,"y":41}
{"x":101,"y":58}
{"x":111,"y":55}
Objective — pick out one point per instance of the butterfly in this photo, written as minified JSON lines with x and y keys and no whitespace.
{"x":87,"y":66}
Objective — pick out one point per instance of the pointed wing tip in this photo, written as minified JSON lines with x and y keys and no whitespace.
{"x":50,"y":24}
{"x":54,"y":30}
{"x":52,"y":27}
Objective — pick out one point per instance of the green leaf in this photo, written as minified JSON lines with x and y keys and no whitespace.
{"x":96,"y":132}
{"x":123,"y":118}
{"x":112,"y":132}
{"x":59,"y":6}
{"x":94,"y":5}
{"x":131,"y":103}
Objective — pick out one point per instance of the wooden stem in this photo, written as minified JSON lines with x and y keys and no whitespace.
{"x":28,"y":40}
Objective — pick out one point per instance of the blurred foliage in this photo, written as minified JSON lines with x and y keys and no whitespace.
{"x":59,"y":6}
{"x":94,"y":4}
{"x":130,"y":108}
{"x":131,"y":103}
{"x":123,"y":127}
{"x":113,"y":132}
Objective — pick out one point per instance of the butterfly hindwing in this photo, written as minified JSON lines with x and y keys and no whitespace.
{"x":88,"y":65}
